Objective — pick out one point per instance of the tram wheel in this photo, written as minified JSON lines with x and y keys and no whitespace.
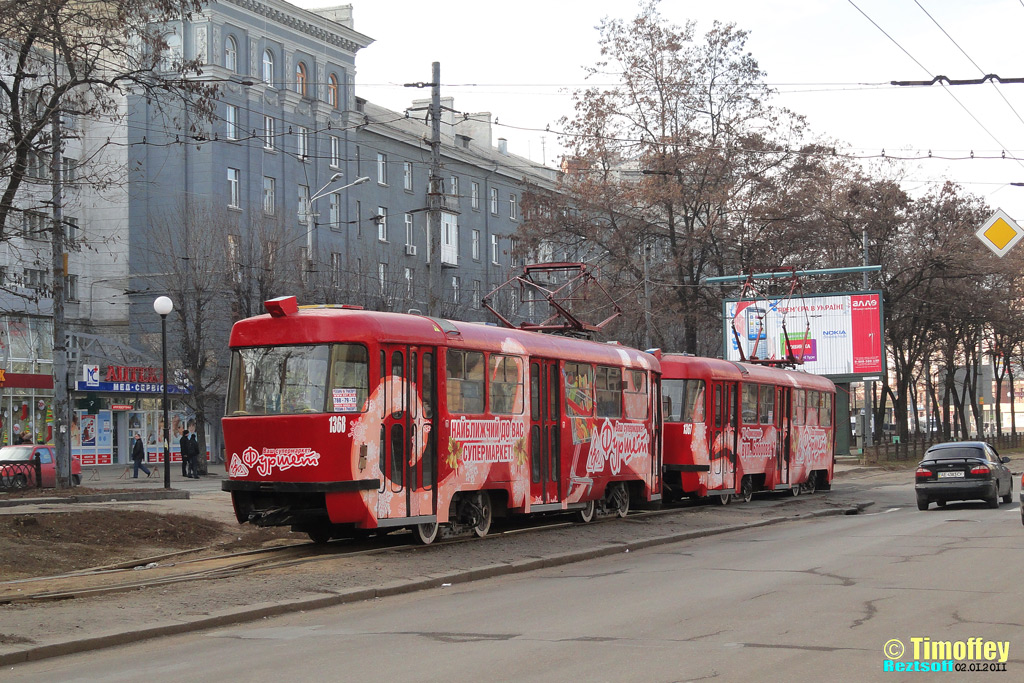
{"x":746,"y":489}
{"x":426,"y":533}
{"x":586,"y":515}
{"x":724,"y":498}
{"x":812,"y":483}
{"x":795,"y":490}
{"x":618,"y":499}
{"x":320,"y":535}
{"x":485,"y":512}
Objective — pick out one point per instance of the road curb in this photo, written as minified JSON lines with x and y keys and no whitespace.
{"x":249,"y":613}
{"x":112,"y":497}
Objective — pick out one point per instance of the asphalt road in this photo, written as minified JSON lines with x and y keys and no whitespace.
{"x":807,"y":601}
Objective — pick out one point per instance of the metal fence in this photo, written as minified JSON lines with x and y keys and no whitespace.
{"x":21,"y":474}
{"x":913,"y":449}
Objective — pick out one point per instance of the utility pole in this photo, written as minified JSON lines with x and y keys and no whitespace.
{"x":61,"y":407}
{"x":435,"y":198}
{"x":647,"y":299}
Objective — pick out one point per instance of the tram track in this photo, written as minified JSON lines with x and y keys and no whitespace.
{"x":179,"y":567}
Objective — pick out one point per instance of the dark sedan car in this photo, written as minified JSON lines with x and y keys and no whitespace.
{"x":963,"y":470}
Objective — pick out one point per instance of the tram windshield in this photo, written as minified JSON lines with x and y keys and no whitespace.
{"x":285,"y":380}
{"x":683,"y":400}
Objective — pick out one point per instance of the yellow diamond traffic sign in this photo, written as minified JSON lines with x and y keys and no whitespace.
{"x":1000,"y":233}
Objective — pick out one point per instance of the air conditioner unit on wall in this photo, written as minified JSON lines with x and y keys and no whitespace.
{"x":410,"y":250}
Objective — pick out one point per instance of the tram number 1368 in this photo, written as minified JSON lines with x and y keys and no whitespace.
{"x":338,"y":424}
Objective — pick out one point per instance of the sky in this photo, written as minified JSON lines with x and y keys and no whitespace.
{"x":830,"y":60}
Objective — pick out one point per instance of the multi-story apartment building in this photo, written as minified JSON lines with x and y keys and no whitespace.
{"x":256,"y":195}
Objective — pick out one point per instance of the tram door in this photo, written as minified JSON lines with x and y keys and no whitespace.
{"x":723,"y":437}
{"x":782,"y":434}
{"x":545,"y":467}
{"x":408,"y":446}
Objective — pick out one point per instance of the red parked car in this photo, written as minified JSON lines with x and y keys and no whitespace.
{"x":14,"y":474}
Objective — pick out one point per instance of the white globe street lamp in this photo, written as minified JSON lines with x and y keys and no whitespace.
{"x":163,"y":305}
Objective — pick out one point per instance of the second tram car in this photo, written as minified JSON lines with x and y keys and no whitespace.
{"x":731,"y":429}
{"x":341,"y":421}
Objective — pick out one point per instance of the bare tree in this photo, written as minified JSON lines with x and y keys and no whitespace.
{"x":81,"y":59}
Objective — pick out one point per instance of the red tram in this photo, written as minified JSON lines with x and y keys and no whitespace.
{"x":736,"y":428}
{"x":341,"y":421}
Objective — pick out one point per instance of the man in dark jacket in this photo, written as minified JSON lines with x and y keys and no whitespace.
{"x":188,"y":467}
{"x":138,"y":455}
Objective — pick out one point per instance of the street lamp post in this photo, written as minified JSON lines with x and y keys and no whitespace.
{"x":311,"y":243}
{"x":163,"y":305}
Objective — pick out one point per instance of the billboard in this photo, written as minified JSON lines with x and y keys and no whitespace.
{"x":838,"y":335}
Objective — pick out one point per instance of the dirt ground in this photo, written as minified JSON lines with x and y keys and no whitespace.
{"x":46,"y":544}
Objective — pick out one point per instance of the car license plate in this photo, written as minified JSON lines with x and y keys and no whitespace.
{"x":951,"y":475}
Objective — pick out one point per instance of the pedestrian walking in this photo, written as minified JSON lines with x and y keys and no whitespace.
{"x":138,"y":455}
{"x":188,"y":469}
{"x":193,"y":451}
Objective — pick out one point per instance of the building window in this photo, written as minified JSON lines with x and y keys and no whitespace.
{"x":494,"y":250}
{"x":408,"y":283}
{"x":300,"y":78}
{"x":476,"y":245}
{"x":382,"y":224}
{"x":234,"y":188}
{"x":382,"y":168}
{"x":34,"y":224}
{"x":407,"y":175}
{"x":336,"y":262}
{"x":382,"y":277}
{"x":449,"y":238}
{"x":69,"y":169}
{"x":513,"y":210}
{"x":477,"y":293}
{"x":456,"y":284}
{"x":302,"y":142}
{"x":70,"y":231}
{"x":513,"y":248}
{"x":71,"y":288}
{"x":231,"y":55}
{"x":474,"y":195}
{"x":269,"y":194}
{"x":359,"y":218}
{"x":335,"y":151}
{"x":35,"y":278}
{"x":494,"y":201}
{"x":409,"y":234}
{"x":268,"y":132}
{"x":332,"y":91}
{"x":268,"y":67}
{"x":231,"y":122}
{"x":453,"y":186}
{"x":334,"y":210}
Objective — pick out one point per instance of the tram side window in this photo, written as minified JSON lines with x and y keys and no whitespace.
{"x":825,"y":410}
{"x":749,"y":404}
{"x":719,"y":408}
{"x":609,"y":391}
{"x":767,"y":405}
{"x":635,"y":394}
{"x":812,"y":408}
{"x":464,"y":371}
{"x":350,"y":378}
{"x":506,"y":389}
{"x":799,"y":406}
{"x":579,"y":383}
